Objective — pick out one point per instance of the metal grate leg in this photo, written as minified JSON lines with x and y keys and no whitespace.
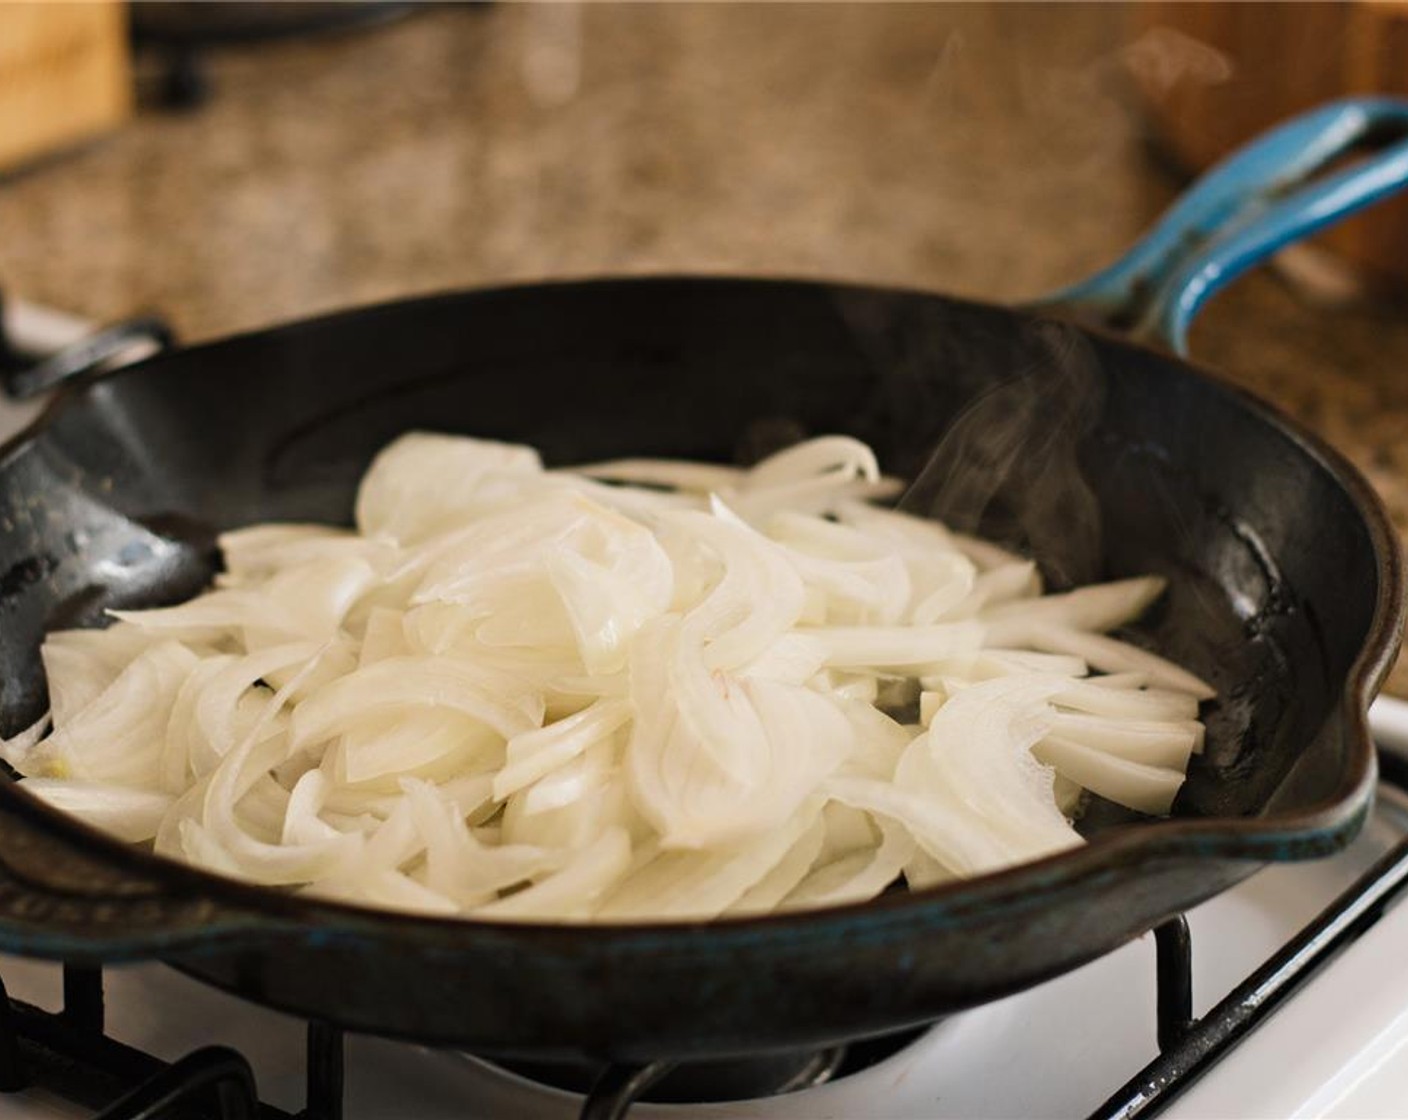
{"x":13,"y":1074}
{"x":83,"y":998}
{"x":325,"y":1072}
{"x":1173,"y":946}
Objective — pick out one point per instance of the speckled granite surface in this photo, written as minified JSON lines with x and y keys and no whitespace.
{"x":993,"y":152}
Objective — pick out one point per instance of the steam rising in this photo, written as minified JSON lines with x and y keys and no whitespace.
{"x":552,"y":53}
{"x":1008,"y":466}
{"x":1164,"y":57}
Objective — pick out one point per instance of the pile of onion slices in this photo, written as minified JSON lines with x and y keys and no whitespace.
{"x":632,"y":691}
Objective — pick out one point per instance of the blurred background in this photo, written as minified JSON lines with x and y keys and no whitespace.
{"x":228,"y":166}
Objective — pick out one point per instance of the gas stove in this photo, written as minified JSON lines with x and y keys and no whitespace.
{"x":1274,"y":999}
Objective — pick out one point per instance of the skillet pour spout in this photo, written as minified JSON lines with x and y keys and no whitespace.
{"x":1285,"y":591}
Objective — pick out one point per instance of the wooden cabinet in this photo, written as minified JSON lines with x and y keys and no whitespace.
{"x":1270,"y":62}
{"x":65,"y":76}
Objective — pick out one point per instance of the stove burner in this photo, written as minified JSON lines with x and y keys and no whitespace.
{"x":714,"y":1080}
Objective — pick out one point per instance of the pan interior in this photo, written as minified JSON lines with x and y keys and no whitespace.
{"x":1100,"y":458}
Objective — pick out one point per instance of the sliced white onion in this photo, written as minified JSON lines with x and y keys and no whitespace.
{"x":572,"y":892}
{"x":896,"y":649}
{"x":18,"y":749}
{"x":422,"y":482}
{"x":1136,"y":785}
{"x":1099,"y":607}
{"x":401,"y":682}
{"x":765,"y":895}
{"x":857,"y":876}
{"x":129,"y":814}
{"x":1113,"y":656}
{"x":976,"y":755}
{"x":643,"y":690}
{"x":117,"y":738}
{"x":1156,"y":742}
{"x":535,"y":754}
{"x":702,"y":884}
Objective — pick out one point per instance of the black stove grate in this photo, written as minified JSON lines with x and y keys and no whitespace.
{"x":68,"y":1052}
{"x":1190,"y":1047}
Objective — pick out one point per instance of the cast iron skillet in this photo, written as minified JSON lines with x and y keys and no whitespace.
{"x":1284,"y":574}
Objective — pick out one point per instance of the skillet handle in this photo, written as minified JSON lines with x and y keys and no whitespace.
{"x":1258,"y":200}
{"x":70,"y":899}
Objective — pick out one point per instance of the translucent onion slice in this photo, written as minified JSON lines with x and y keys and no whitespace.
{"x":423,"y":481}
{"x":411,"y":743}
{"x":1100,"y":699}
{"x":1113,"y":656}
{"x":1136,"y":785}
{"x":767,"y":893}
{"x":117,"y":738}
{"x":399,"y":682}
{"x":896,"y":649}
{"x":1099,"y":607}
{"x":458,"y":865}
{"x":857,"y":876}
{"x":18,"y":749}
{"x":259,"y":551}
{"x":702,"y":885}
{"x":759,"y":597}
{"x":1015,"y":580}
{"x":944,"y":832}
{"x":976,"y":755}
{"x":679,"y":474}
{"x":826,"y":455}
{"x":1157,"y":742}
{"x":129,"y":814}
{"x":80,"y":664}
{"x":533,"y":754}
{"x":220,"y":830}
{"x":216,"y":712}
{"x":573,"y":891}
{"x":568,"y":819}
{"x":386,"y":889}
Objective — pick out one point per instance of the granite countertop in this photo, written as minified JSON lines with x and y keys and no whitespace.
{"x":994,"y":152}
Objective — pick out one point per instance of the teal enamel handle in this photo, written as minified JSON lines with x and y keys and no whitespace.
{"x":1271,"y":193}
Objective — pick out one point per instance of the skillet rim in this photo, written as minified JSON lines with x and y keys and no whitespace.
{"x":1318,"y":829}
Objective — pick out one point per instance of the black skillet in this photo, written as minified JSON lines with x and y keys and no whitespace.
{"x":1284,"y":592}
